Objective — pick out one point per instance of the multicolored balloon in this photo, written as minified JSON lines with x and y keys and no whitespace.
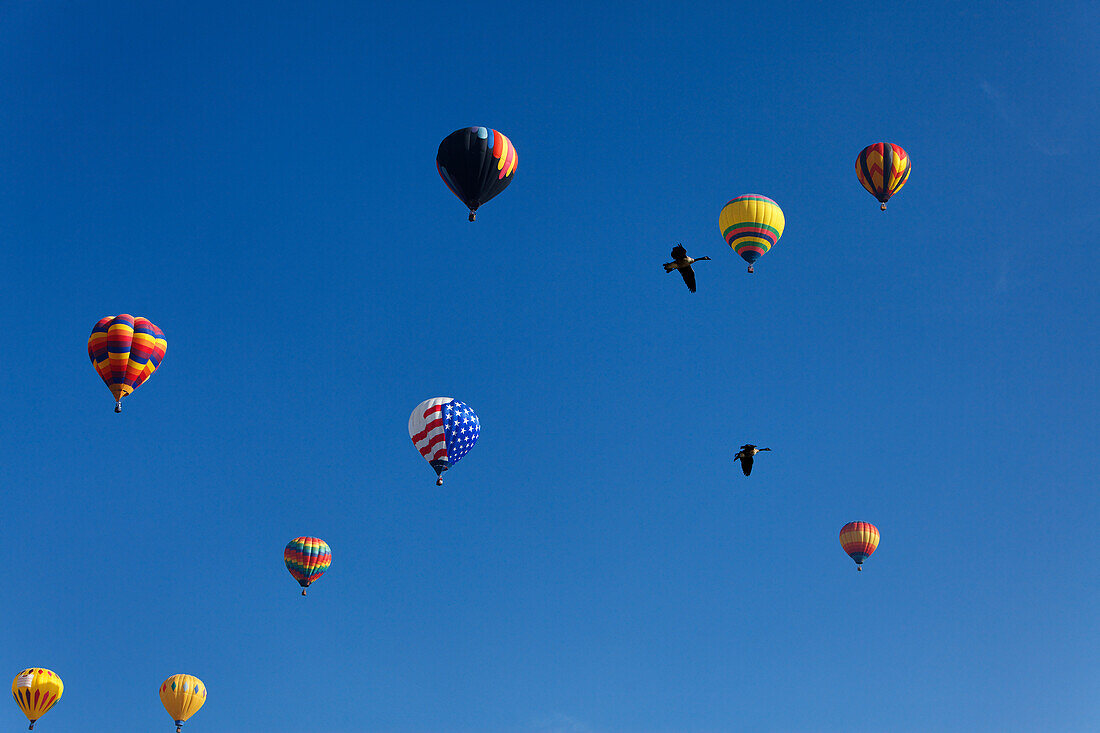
{"x":859,"y":540}
{"x":751,"y":225}
{"x":307,"y":559}
{"x":883,"y":168}
{"x":476,"y":163}
{"x":443,"y":430}
{"x":36,"y":690}
{"x":182,"y":695}
{"x":124,"y":351}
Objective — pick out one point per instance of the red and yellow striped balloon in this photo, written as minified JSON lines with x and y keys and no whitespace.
{"x":859,"y":540}
{"x":883,"y":168}
{"x":124,"y":351}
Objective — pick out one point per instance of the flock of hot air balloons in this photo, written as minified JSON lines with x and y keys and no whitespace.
{"x":36,"y":690}
{"x":476,"y":163}
{"x":751,"y":225}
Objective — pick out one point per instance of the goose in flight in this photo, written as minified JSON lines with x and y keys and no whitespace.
{"x":681,"y":262}
{"x":745,"y":456}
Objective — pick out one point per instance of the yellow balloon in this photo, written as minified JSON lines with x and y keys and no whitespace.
{"x":751,"y":224}
{"x":182,"y":695}
{"x":36,"y":690}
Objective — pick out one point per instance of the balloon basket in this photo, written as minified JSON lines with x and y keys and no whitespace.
{"x":303,"y":591}
{"x":439,"y":481}
{"x":884,"y":207}
{"x":473,"y":216}
{"x":118,"y":405}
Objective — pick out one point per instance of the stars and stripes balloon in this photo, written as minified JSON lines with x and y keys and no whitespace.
{"x":182,"y":695}
{"x":883,"y":168}
{"x":859,"y":540}
{"x":307,"y":559}
{"x":476,"y":163}
{"x":125,"y":351}
{"x":36,"y":690}
{"x":443,"y":430}
{"x":751,"y":224}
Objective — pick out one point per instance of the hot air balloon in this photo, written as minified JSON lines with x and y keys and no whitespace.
{"x":476,"y":163}
{"x":883,"y":168}
{"x":751,"y":224}
{"x":125,"y":351}
{"x":859,"y":539}
{"x":182,"y":695}
{"x":443,"y":430}
{"x":307,"y":559}
{"x":36,"y":690}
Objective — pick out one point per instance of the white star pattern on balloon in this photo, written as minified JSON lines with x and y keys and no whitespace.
{"x":461,"y":427}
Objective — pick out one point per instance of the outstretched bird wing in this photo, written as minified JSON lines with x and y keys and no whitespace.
{"x":746,"y":463}
{"x":689,"y":277}
{"x":678,"y":252}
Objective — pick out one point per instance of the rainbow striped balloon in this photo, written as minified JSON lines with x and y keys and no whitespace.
{"x":125,"y":351}
{"x":307,"y":559}
{"x":859,"y":540}
{"x":751,"y":224}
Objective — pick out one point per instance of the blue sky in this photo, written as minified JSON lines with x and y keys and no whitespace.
{"x":258,"y":180}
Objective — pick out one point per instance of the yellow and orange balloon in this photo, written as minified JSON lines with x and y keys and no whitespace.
{"x":182,"y":695}
{"x":859,"y":540}
{"x":124,"y":351}
{"x":36,"y":690}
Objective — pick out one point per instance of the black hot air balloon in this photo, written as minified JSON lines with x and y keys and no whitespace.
{"x":476,"y":163}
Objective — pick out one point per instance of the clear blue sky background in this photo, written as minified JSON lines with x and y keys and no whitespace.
{"x":259,"y":181}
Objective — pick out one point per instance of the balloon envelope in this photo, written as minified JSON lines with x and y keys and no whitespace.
{"x":182,"y":695}
{"x":36,"y":690}
{"x":859,"y":540}
{"x":307,"y":559}
{"x":476,"y":163}
{"x":443,"y":430}
{"x":883,"y":168}
{"x":125,"y":351}
{"x":751,"y":224}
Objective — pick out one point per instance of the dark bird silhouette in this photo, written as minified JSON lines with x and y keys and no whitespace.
{"x":681,"y":262}
{"x":745,"y":456}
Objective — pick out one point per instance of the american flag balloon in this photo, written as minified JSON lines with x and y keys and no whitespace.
{"x":443,"y":430}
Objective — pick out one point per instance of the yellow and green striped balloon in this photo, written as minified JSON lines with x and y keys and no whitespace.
{"x":751,"y":224}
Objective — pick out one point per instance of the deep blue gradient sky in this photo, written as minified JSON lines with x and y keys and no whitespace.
{"x":259,"y":181}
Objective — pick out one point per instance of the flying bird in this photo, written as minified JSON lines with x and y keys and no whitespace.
{"x":681,"y":262}
{"x":745,"y":456}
